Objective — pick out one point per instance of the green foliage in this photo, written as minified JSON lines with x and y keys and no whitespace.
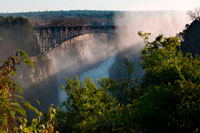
{"x":126,"y":89}
{"x":12,"y":113}
{"x":166,"y":100}
{"x":88,"y":108}
{"x":108,"y":108}
{"x":171,"y":88}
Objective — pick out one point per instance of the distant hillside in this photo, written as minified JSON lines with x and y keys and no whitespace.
{"x":47,"y":17}
{"x":79,"y":17}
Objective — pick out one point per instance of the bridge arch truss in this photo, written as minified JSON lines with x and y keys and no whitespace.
{"x":51,"y":37}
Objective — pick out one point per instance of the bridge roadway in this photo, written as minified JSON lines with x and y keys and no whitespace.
{"x":50,"y":37}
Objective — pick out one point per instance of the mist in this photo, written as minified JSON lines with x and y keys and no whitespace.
{"x":168,"y":23}
{"x":87,"y":52}
{"x":79,"y":55}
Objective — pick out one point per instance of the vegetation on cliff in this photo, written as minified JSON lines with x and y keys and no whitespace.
{"x":17,"y":34}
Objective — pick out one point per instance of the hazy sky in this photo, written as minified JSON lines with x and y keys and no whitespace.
{"x":42,"y":5}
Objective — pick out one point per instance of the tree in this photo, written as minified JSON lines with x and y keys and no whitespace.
{"x":171,"y":101}
{"x":88,"y":108}
{"x":194,"y":15}
{"x":11,"y":111}
{"x":166,"y":100}
{"x":12,"y":105}
{"x":190,"y":42}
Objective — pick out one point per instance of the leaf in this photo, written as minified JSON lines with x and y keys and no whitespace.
{"x":29,"y":62}
{"x":18,"y":89}
{"x":22,"y":53}
{"x":12,"y":113}
{"x":29,"y":106}
{"x":38,"y":102}
{"x":52,"y":115}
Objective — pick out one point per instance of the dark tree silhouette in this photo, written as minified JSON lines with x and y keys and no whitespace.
{"x":190,"y":42}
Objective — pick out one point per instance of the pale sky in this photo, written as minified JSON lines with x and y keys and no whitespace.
{"x":134,"y":5}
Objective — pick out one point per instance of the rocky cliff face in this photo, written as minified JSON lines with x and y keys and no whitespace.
{"x":39,"y":82}
{"x":83,"y":51}
{"x":80,"y":54}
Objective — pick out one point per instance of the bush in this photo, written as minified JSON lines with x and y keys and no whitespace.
{"x":12,"y":105}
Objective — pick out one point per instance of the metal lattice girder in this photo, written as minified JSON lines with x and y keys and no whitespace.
{"x":50,"y":37}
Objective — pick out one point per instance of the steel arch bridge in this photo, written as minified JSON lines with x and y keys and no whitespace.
{"x":51,"y":37}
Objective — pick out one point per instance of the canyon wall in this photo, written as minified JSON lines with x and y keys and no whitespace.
{"x":39,"y":82}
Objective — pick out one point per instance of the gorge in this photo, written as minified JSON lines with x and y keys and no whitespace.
{"x":95,"y":55}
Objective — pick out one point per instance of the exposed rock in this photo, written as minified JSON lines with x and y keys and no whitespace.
{"x":39,"y":83}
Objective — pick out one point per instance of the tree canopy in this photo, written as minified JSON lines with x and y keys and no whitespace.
{"x":166,"y":100}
